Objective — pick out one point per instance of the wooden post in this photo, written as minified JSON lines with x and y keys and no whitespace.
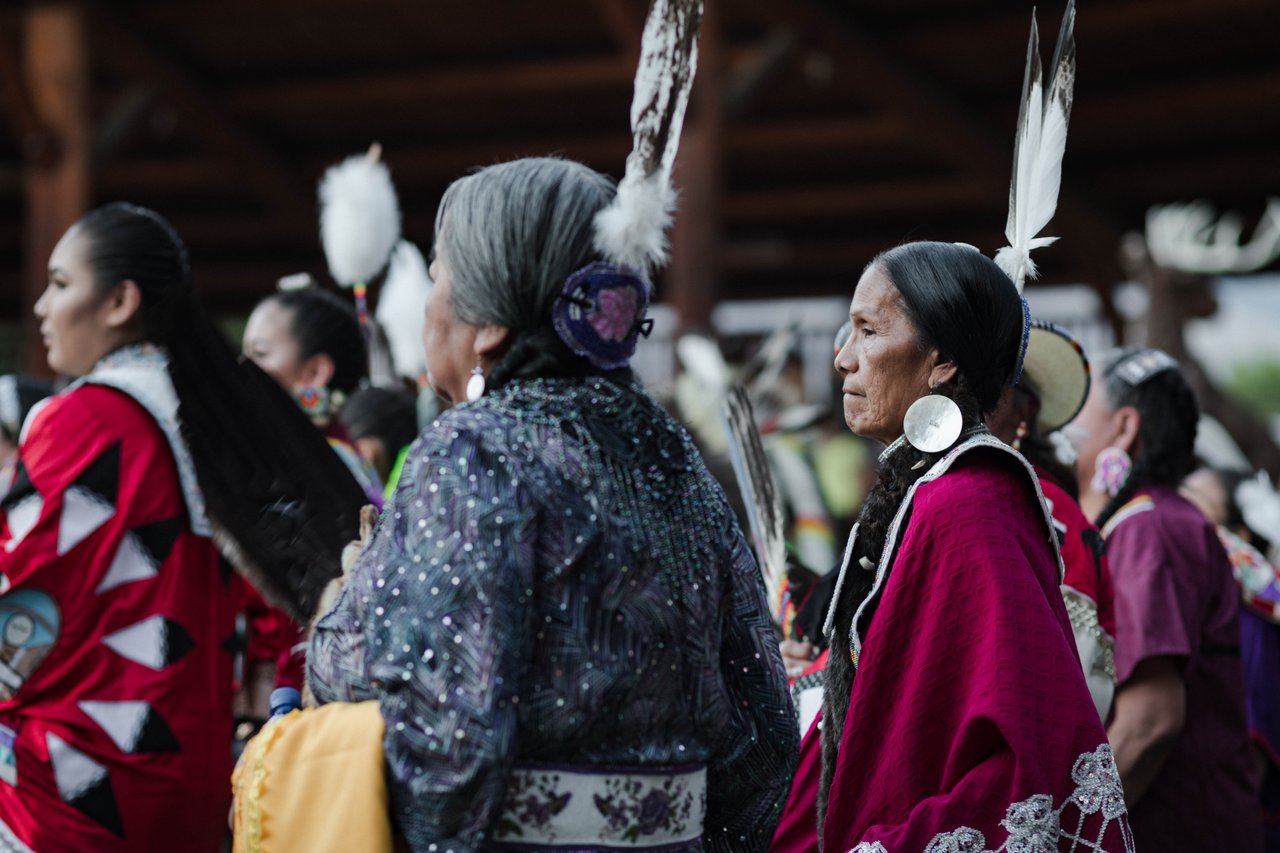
{"x":56,"y":71}
{"x":693,"y":279}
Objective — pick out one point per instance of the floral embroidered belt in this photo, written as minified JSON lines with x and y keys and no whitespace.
{"x":632,"y":808}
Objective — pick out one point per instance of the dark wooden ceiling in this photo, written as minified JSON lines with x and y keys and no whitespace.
{"x":845,"y":127}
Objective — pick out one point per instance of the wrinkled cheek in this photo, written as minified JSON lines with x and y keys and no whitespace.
{"x":855,"y":411}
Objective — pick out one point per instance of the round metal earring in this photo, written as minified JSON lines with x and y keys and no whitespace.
{"x":475,"y":384}
{"x":933,"y":423}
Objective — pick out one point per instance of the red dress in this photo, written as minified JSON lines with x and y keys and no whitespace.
{"x":115,"y":668}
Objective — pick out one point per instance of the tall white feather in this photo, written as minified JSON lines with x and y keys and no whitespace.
{"x":359,"y":218}
{"x":1039,"y":145}
{"x":631,"y":231}
{"x":402,"y":309}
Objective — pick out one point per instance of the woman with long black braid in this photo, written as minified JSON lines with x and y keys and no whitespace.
{"x":115,"y":607}
{"x":1178,"y":729}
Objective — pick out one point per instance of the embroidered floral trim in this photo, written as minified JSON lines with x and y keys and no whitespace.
{"x":1035,"y":826}
{"x":633,"y":809}
{"x":1084,"y":618}
{"x":533,"y":800}
{"x":643,"y":808}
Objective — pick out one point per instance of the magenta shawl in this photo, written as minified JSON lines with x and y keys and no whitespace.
{"x":970,"y":727}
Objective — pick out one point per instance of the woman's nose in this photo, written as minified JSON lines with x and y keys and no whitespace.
{"x":845,"y":361}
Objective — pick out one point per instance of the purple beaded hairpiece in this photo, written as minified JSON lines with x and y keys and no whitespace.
{"x":600,"y":313}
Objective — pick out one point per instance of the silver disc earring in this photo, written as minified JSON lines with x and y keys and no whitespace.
{"x":933,"y":423}
{"x":475,"y":384}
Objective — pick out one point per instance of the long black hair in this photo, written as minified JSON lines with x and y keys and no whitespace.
{"x":960,"y":302}
{"x":1168,"y":414}
{"x":270,"y":481}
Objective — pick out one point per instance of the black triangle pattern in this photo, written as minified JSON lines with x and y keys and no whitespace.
{"x":98,"y":803}
{"x":158,"y":538}
{"x":21,"y":488}
{"x":177,"y":642}
{"x":234,"y":644}
{"x":156,"y":736}
{"x":102,"y":476}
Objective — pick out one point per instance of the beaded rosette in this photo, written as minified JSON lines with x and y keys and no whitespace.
{"x":600,"y":313}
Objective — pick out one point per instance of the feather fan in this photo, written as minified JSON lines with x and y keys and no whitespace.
{"x":402,"y":307}
{"x":632,"y":230}
{"x":759,"y":495}
{"x":1039,"y":145}
{"x":359,"y":217}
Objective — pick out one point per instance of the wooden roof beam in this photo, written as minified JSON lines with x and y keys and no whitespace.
{"x":625,"y":24}
{"x":560,"y":77}
{"x":1132,"y":18}
{"x":406,"y":89}
{"x":259,"y":170}
{"x":444,"y":162}
{"x":908,"y":195}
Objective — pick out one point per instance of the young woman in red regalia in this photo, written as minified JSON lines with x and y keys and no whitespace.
{"x":115,"y":606}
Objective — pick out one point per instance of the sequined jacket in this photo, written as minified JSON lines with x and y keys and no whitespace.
{"x":559,"y":579}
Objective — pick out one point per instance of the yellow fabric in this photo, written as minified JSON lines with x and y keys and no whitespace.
{"x":313,"y":781}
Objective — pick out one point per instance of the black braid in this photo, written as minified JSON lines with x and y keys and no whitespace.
{"x":542,"y":352}
{"x":1164,"y":452}
{"x":896,"y":476}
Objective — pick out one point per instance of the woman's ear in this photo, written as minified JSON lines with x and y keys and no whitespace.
{"x":943,"y":371}
{"x":318,"y":370}
{"x":490,"y":340}
{"x":1126,"y":421}
{"x":122,"y":305}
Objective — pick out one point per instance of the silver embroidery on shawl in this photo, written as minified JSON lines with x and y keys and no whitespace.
{"x":1035,"y":826}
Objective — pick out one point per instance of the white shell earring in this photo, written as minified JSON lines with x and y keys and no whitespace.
{"x":475,"y":383}
{"x":933,"y":423}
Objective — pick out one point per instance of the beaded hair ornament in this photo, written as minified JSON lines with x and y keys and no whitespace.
{"x":1039,"y":144}
{"x":1137,"y":368}
{"x":600,"y":312}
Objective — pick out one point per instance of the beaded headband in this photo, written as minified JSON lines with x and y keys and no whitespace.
{"x":1138,"y":367}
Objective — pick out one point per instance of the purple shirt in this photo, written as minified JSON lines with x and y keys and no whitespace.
{"x":1175,"y":596}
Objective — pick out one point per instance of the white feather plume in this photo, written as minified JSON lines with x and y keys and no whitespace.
{"x":359,"y":218}
{"x":631,"y":231}
{"x":402,"y":306}
{"x":1039,"y":145}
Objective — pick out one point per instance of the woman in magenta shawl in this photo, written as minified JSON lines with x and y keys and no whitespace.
{"x":955,"y":716}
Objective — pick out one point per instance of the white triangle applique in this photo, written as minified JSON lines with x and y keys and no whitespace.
{"x":132,"y":563}
{"x":74,"y":771}
{"x":142,"y":642}
{"x":82,"y":513}
{"x":22,"y":517}
{"x":122,"y":721}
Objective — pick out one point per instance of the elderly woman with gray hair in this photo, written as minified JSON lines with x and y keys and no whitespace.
{"x":558,"y":615}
